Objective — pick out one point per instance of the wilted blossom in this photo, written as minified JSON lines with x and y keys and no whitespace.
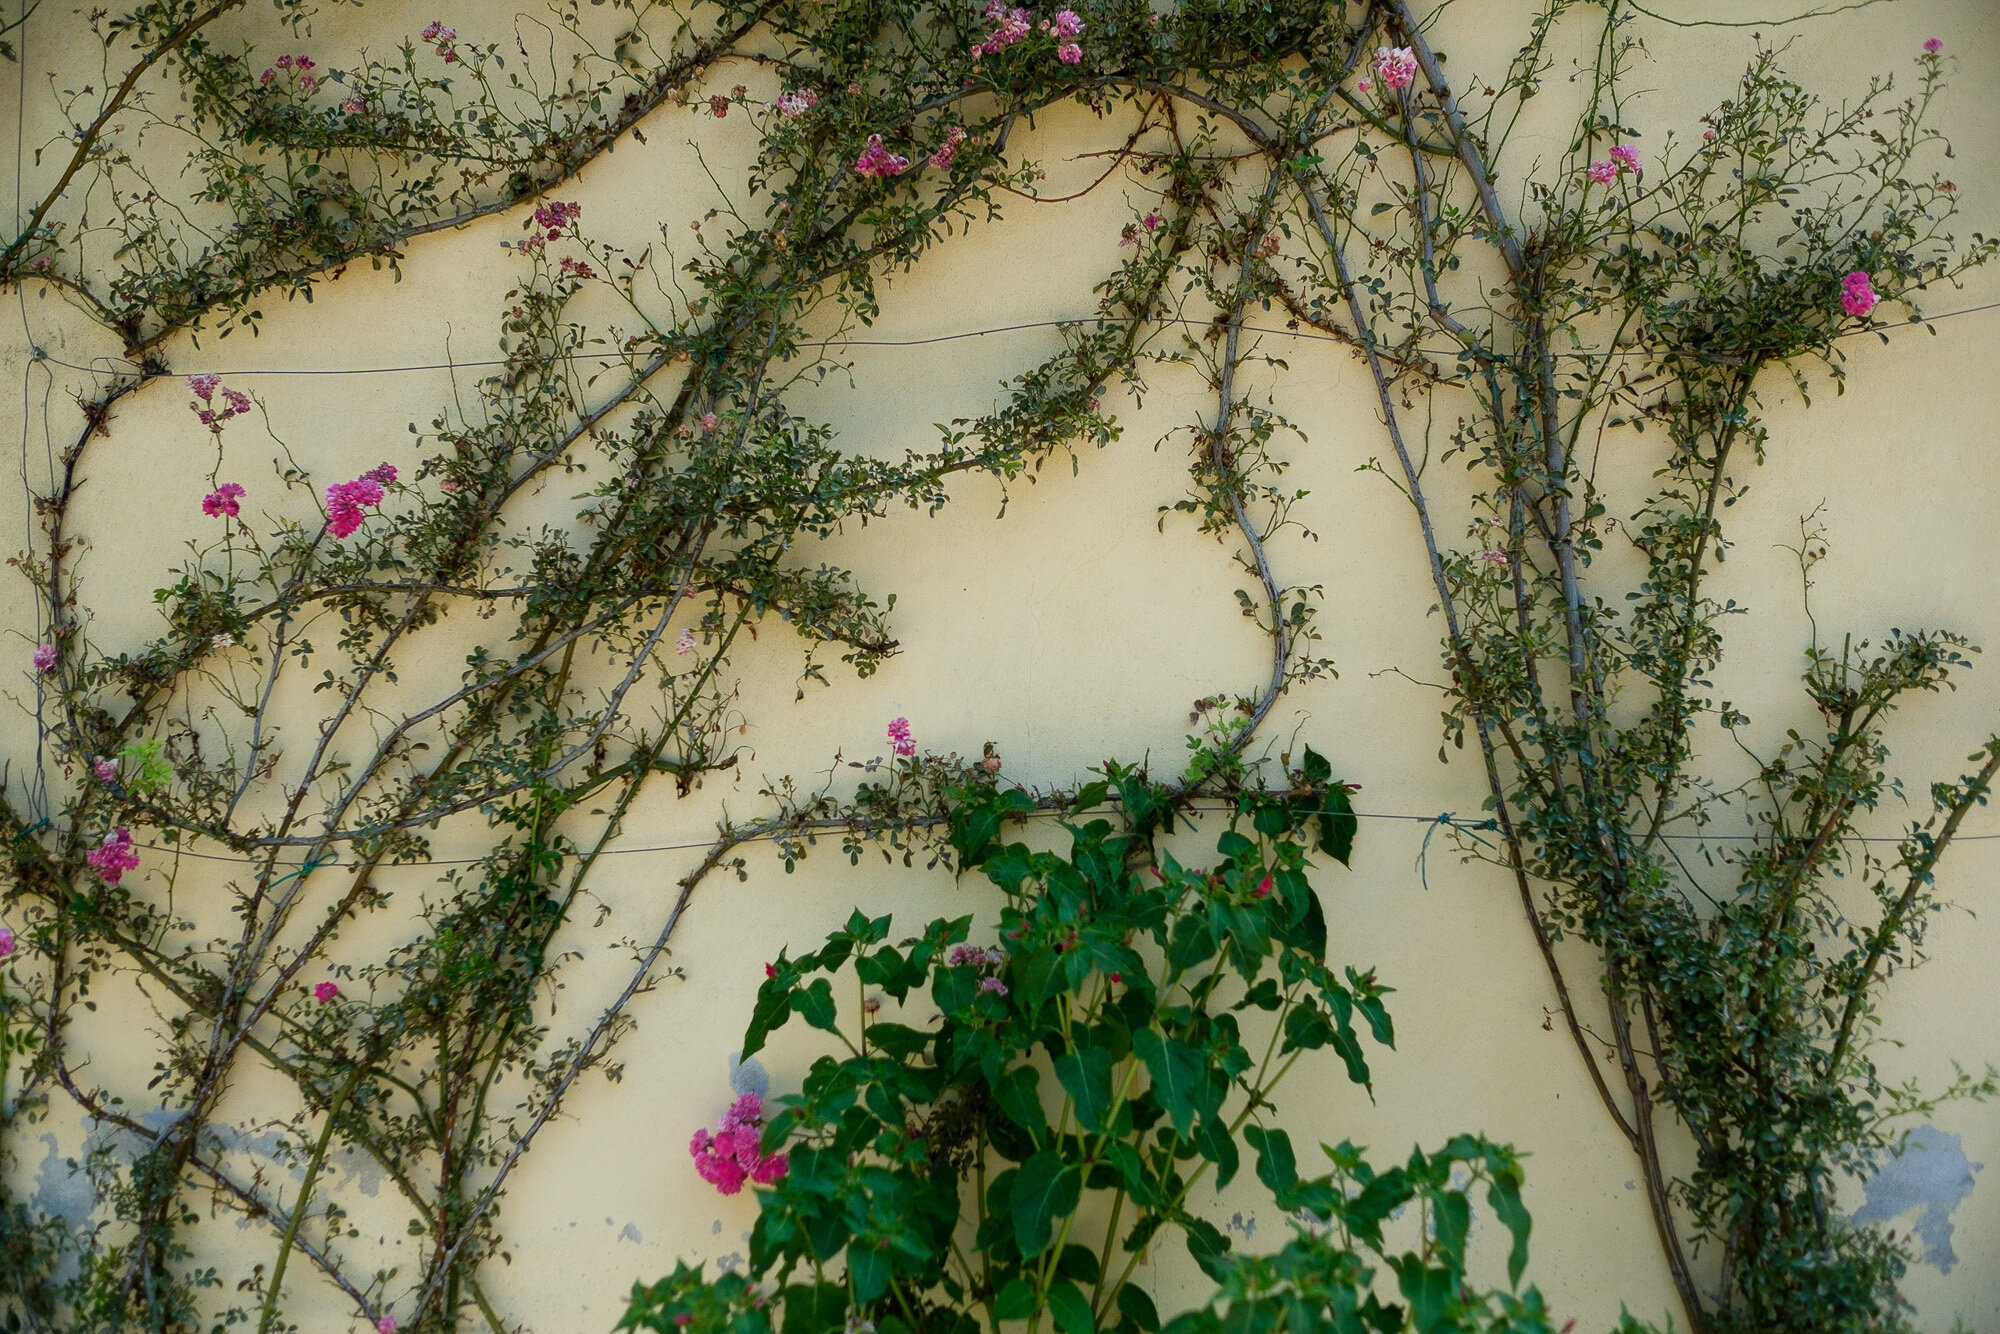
{"x":974,"y":956}
{"x":948,"y":150}
{"x":106,"y":770}
{"x":576,"y":268}
{"x":114,"y":857}
{"x":1151,"y":222}
{"x":729,"y":1156}
{"x":45,"y":657}
{"x":383,"y":474}
{"x":204,"y":388}
{"x":1627,"y":157}
{"x":899,"y":737}
{"x":1857,"y":295}
{"x":6,"y":941}
{"x":223,"y":502}
{"x":441,"y":37}
{"x":795,"y":104}
{"x":354,"y":106}
{"x":1495,"y":557}
{"x":553,"y":218}
{"x":878,"y":161}
{"x":685,"y":644}
{"x":346,"y":500}
{"x":994,"y":985}
{"x":1397,"y":65}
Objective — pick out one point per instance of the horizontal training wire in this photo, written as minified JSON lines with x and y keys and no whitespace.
{"x":1447,"y":820}
{"x":1306,"y":334}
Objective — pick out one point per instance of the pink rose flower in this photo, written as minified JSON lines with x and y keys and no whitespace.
{"x":1603,"y":172}
{"x":325,"y":991}
{"x":1396,"y":65}
{"x":899,"y":737}
{"x":223,"y":501}
{"x":6,"y":941}
{"x":1857,"y":294}
{"x":45,"y":657}
{"x":114,"y":857}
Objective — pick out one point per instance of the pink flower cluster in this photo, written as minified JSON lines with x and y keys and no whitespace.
{"x":899,"y":737}
{"x":45,"y":657}
{"x":223,"y":502}
{"x":114,"y":857}
{"x":204,"y":388}
{"x":346,"y":500}
{"x":1396,"y":65}
{"x":441,"y":37}
{"x":1934,"y":45}
{"x":6,"y":941}
{"x":1011,"y":26}
{"x":1857,"y":294}
{"x":684,"y":645}
{"x":298,"y":65}
{"x":878,"y":161}
{"x":795,"y":104}
{"x":728,"y":1157}
{"x":576,"y":268}
{"x":553,"y":217}
{"x":552,"y":220}
{"x":325,"y":992}
{"x":974,"y":956}
{"x":948,"y":150}
{"x":353,"y":106}
{"x":106,"y":770}
{"x":1623,"y":158}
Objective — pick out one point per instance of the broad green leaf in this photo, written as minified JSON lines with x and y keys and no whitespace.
{"x":1137,"y":1308}
{"x":1215,"y":1143}
{"x":814,"y":1004}
{"x":868,"y":1269}
{"x":1018,"y":1094}
{"x":1337,"y":825}
{"x":1176,"y":1070}
{"x":1016,"y":1301}
{"x":1070,"y":1308}
{"x":1505,"y":1196}
{"x":1086,"y":1075}
{"x":1045,"y":1190}
{"x":1277,"y":1165}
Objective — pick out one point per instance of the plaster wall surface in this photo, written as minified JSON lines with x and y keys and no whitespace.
{"x":1073,"y":627}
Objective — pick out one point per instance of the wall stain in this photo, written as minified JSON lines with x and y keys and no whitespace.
{"x":1931,"y":1174}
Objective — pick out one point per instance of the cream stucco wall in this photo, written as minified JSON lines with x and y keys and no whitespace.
{"x":1070,"y":629}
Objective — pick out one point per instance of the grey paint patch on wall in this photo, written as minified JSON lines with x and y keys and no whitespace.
{"x":631,"y":1233}
{"x":1931,"y":1174}
{"x":748,"y":1076}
